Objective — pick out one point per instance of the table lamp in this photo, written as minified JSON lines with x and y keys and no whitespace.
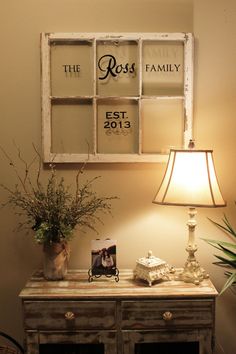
{"x":190,"y":180}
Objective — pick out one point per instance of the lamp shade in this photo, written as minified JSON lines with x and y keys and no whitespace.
{"x":190,"y":180}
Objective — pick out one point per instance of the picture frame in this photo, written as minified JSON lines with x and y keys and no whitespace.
{"x":103,"y":259}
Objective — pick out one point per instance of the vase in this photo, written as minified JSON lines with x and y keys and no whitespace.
{"x":55,"y":262}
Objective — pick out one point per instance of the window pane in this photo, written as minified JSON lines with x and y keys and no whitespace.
{"x":117,"y":126}
{"x":72,"y":127}
{"x":163,"y":68}
{"x":117,"y":68}
{"x":72,"y":69}
{"x":162,"y":125}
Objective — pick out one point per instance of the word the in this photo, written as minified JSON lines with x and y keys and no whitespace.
{"x":162,"y":67}
{"x":109,"y":66}
{"x":71,"y":68}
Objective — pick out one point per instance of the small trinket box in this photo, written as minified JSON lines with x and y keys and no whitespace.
{"x":151,"y":268}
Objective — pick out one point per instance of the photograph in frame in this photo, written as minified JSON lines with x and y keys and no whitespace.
{"x":103,"y":257}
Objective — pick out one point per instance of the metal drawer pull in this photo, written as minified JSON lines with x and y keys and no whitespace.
{"x":167,"y":316}
{"x":69,"y":316}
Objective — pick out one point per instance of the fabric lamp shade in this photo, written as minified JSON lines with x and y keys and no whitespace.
{"x":190,"y":180}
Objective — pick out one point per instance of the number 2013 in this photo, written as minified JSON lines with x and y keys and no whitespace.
{"x":117,"y":124}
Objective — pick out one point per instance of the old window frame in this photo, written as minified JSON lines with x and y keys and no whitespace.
{"x":93,"y":156}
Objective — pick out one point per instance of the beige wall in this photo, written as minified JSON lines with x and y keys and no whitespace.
{"x":137,"y":224}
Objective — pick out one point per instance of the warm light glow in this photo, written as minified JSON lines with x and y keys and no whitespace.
{"x":190,"y":180}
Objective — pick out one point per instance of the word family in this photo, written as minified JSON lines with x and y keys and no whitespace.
{"x":171,"y":68}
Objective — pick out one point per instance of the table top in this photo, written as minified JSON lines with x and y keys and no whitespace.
{"x":76,"y":286}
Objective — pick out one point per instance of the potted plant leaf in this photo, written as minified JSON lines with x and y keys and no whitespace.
{"x":227,"y":258}
{"x":53,"y":210}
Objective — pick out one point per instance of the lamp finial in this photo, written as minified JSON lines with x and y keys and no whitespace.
{"x":191,"y":144}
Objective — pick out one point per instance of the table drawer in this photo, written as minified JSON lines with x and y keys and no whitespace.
{"x":167,"y":313}
{"x":69,"y":314}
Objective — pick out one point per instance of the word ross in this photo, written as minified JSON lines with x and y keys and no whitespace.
{"x":162,"y":67}
{"x":71,"y":68}
{"x":108,"y":64}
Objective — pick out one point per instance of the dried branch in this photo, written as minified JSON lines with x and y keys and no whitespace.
{"x":53,"y":211}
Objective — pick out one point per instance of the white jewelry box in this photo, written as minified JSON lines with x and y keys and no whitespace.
{"x":151,"y":269}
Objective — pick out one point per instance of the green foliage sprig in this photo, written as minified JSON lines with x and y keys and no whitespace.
{"x":51,"y":209}
{"x":228,"y":260}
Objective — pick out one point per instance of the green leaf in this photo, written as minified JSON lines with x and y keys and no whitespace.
{"x":228,"y":250}
{"x":230,"y":228}
{"x":227,"y":228}
{"x":219,"y":225}
{"x":229,"y":282}
{"x":214,"y":245}
{"x":222,"y":243}
{"x":229,"y":253}
{"x":220,"y":264}
{"x":226,"y":261}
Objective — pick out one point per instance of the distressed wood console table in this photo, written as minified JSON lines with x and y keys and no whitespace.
{"x":116,"y":318}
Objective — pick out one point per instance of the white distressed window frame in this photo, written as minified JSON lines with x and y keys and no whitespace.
{"x":48,"y":38}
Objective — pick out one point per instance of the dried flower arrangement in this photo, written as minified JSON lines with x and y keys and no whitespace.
{"x":52,"y":210}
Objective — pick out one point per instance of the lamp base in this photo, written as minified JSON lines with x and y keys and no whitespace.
{"x":192,"y":271}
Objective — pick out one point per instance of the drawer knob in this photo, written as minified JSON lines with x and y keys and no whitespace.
{"x":69,"y":316}
{"x":167,"y":316}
